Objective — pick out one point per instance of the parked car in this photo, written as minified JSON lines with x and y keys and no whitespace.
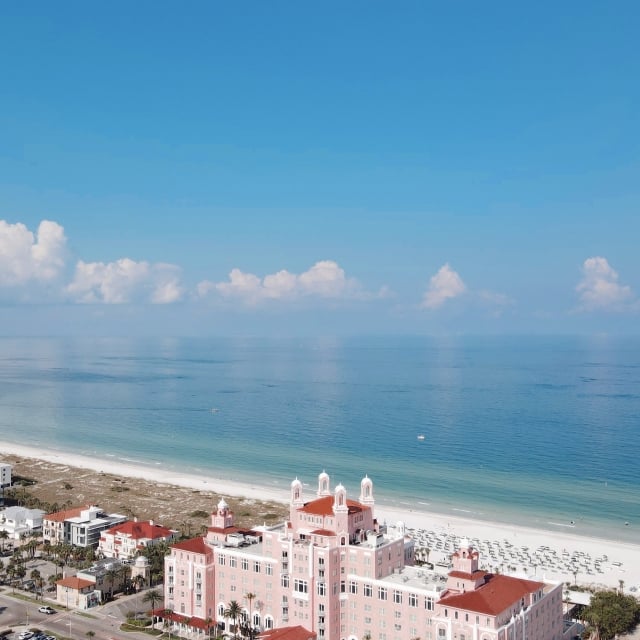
{"x":26,"y":635}
{"x":46,"y":609}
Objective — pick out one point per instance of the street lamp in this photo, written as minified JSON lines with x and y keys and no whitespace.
{"x":68,"y":610}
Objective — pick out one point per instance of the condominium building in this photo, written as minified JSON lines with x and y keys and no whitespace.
{"x":333,"y":570}
{"x":80,"y":526}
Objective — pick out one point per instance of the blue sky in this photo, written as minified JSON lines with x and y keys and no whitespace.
{"x":340,"y":167}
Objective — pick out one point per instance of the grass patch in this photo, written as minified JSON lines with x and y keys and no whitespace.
{"x":200,"y":513}
{"x":125,"y":626}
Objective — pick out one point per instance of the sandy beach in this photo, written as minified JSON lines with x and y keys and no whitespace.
{"x":554,"y":556}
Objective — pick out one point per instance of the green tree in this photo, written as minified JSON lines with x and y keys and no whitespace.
{"x":110,"y":576}
{"x":233,"y":611}
{"x":36,"y":576}
{"x":250,"y":597}
{"x":152,"y":597}
{"x":611,"y":613}
{"x":4,"y":535}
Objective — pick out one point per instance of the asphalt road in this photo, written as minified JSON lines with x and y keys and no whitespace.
{"x":104,"y":620}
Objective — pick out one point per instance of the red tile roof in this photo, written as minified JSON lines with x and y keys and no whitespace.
{"x":141,"y":530}
{"x":194,"y":545}
{"x":192,"y":621}
{"x":324,"y":506}
{"x":323,"y":532}
{"x":288,"y":633}
{"x":496,"y":595}
{"x":61,"y":516}
{"x":75,"y":583}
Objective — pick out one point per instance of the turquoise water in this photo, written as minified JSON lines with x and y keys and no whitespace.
{"x":540,"y":431}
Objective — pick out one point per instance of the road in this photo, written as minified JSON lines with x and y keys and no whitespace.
{"x":104,"y":620}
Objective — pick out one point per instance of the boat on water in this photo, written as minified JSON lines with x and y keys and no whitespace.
{"x":421,"y":436}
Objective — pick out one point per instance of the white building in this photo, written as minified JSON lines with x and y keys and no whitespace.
{"x":126,"y":540}
{"x":80,"y":526}
{"x":5,"y":474}
{"x":20,"y":520}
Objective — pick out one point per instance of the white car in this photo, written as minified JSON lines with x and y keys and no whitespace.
{"x":46,"y":609}
{"x":25,"y":635}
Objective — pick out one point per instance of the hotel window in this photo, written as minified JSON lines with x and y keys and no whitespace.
{"x":442,"y":633}
{"x":353,"y":587}
{"x":428,"y":603}
{"x":284,"y":581}
{"x":382,"y":593}
{"x":397,"y":614}
{"x":368,"y":590}
{"x":245,"y":564}
{"x":256,"y":567}
{"x":301,"y":586}
{"x":397,"y":597}
{"x":413,"y":600}
{"x":322,"y":589}
{"x":222,"y":560}
{"x":343,"y":587}
{"x":268,"y":569}
{"x":233,"y":562}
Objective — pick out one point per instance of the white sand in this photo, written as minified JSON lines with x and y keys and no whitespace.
{"x":552,"y":556}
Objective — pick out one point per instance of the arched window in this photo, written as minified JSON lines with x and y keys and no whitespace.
{"x":268,"y":622}
{"x":256,"y":619}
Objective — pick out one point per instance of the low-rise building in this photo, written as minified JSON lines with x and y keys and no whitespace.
{"x":18,"y":521}
{"x":127,"y":539}
{"x":76,"y":593}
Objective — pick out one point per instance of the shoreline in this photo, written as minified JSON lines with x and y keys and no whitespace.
{"x":541,"y":547}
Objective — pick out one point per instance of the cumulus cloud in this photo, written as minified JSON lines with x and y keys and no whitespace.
{"x":444,"y":285}
{"x":124,"y":281}
{"x":325,"y":279}
{"x":600,"y":290}
{"x":27,"y":258}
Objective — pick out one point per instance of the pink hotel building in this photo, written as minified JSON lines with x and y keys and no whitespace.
{"x":334,"y":570}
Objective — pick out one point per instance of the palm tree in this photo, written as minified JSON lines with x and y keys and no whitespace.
{"x":53,"y":578}
{"x":111,"y":575}
{"x":36,"y":576}
{"x":4,"y":535}
{"x":233,"y":611}
{"x":250,"y":597}
{"x":124,"y":572}
{"x":166,"y":614}
{"x":209,"y":623}
{"x":152,"y":597}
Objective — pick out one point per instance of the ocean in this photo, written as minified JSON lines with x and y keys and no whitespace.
{"x":538,"y":431}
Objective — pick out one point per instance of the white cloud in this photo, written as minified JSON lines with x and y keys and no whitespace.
{"x":325,"y":279}
{"x":444,"y":285}
{"x":124,"y":281}
{"x":27,"y":258}
{"x":599,"y":288}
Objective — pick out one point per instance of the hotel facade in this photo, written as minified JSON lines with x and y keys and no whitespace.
{"x":335,"y":571}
